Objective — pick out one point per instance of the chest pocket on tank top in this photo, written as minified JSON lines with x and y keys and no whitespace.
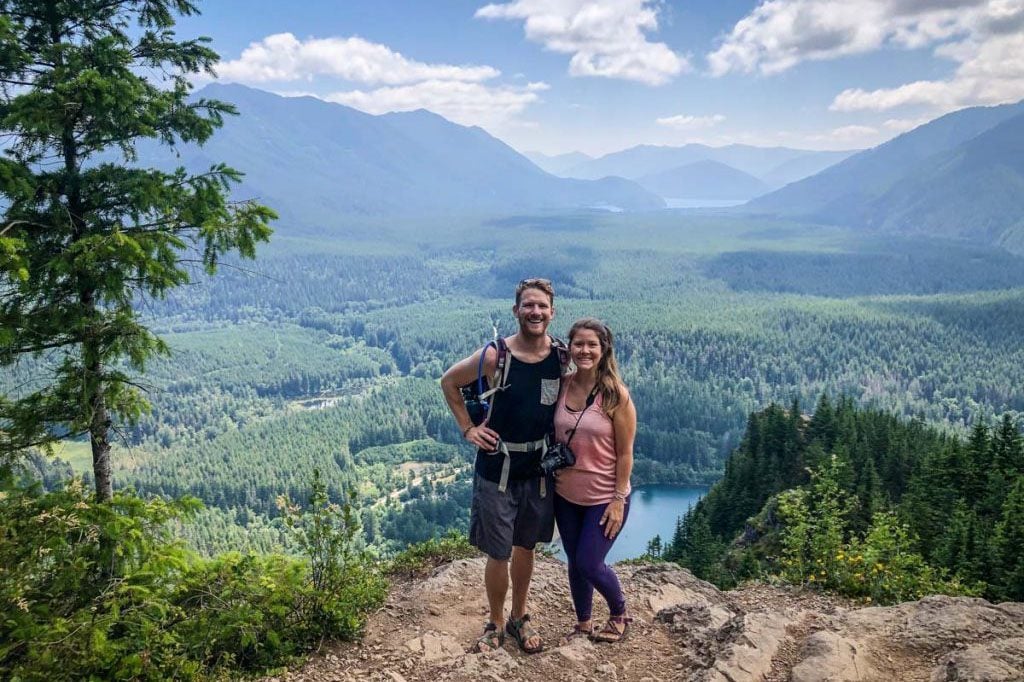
{"x":549,"y":391}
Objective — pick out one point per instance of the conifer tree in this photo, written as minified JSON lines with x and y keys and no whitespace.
{"x":1009,"y":545}
{"x":978,"y":456}
{"x":1008,"y":447}
{"x":86,"y":232}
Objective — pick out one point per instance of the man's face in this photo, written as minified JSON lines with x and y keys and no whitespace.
{"x":534,"y":312}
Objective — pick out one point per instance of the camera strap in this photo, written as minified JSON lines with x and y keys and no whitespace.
{"x":590,"y":401}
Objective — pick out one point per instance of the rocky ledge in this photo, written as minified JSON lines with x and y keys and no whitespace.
{"x":684,"y":629}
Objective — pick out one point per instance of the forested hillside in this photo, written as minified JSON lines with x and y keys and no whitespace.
{"x":860,"y":501}
{"x":958,"y":176}
{"x":326,"y":354}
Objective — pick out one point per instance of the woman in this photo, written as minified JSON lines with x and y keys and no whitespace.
{"x":597,"y":420}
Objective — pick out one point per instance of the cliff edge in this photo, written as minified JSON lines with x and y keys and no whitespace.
{"x":684,"y":629}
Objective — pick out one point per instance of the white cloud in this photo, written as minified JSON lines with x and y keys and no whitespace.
{"x":985,"y":38}
{"x":682,"y":122}
{"x":606,"y":38}
{"x":391,"y":81}
{"x":843,"y":138}
{"x":991,"y":72}
{"x":853,"y":133}
{"x":902,"y":125}
{"x":779,"y":34}
{"x":458,"y":101}
{"x":283,"y":57}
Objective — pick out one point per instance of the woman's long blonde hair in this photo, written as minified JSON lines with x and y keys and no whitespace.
{"x":608,"y":380}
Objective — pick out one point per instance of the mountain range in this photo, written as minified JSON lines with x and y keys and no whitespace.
{"x":959,"y":176}
{"x":739,"y":172}
{"x":316,"y":161}
{"x":320,"y":164}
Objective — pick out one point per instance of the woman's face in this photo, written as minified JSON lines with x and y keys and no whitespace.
{"x":586,"y":349}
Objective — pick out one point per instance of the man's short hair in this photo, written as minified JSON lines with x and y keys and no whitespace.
{"x":535,"y":283}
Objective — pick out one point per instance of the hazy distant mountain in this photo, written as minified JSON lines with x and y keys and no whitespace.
{"x":317,"y":163}
{"x":974,"y":190}
{"x":639,"y":161}
{"x":802,"y":167}
{"x":846,"y":193}
{"x":644,"y":160}
{"x":703,"y":180}
{"x":559,"y":163}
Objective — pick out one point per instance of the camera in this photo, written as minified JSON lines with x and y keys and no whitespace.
{"x":558,"y":456}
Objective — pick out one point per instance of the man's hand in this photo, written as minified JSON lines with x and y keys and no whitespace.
{"x":483,"y":437}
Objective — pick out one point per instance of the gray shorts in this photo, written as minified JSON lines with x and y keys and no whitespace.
{"x":519,"y":516}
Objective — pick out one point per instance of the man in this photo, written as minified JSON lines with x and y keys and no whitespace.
{"x":512,"y":503}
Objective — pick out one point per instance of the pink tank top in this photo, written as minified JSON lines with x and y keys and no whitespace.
{"x":591,"y":480}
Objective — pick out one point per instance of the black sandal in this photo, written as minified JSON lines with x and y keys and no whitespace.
{"x":492,"y":638}
{"x":610,"y":634}
{"x":521,"y":631}
{"x":575,"y":633}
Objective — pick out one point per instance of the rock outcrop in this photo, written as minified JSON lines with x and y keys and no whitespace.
{"x":684,"y":629}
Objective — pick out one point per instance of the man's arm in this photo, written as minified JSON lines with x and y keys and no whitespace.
{"x":461,"y":373}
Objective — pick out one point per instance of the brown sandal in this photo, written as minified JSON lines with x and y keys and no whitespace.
{"x":521,"y":631}
{"x":610,"y":633}
{"x":492,"y":638}
{"x":575,"y":633}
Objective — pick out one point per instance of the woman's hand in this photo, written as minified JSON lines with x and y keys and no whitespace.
{"x":612,"y":518}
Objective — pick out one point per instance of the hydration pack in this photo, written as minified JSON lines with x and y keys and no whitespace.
{"x":480,"y":399}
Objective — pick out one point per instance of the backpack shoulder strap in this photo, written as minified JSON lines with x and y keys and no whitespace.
{"x":500,"y":378}
{"x":564,"y":359}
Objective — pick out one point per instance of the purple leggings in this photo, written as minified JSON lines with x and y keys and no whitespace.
{"x":585,"y":548}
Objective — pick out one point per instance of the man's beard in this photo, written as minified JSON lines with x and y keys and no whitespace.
{"x":525,"y":328}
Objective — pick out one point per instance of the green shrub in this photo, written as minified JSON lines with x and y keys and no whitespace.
{"x":883,"y":566}
{"x":103,"y":591}
{"x":425,"y":556}
{"x":243,"y":611}
{"x":87,"y":589}
{"x":344,"y":581}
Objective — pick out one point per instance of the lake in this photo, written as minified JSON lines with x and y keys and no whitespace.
{"x":653,"y":511}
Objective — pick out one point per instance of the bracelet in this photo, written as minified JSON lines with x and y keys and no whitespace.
{"x":619,"y":496}
{"x":466,"y":430}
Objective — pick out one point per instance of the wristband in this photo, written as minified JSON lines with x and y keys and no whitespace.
{"x":466,"y":430}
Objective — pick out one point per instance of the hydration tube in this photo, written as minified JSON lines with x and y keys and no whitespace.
{"x":480,"y":374}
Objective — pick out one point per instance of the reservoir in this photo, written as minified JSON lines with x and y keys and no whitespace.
{"x":653,"y":511}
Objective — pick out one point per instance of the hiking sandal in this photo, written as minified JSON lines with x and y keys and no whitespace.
{"x":491,"y":640}
{"x":521,"y":631}
{"x":610,"y":633}
{"x":575,"y":633}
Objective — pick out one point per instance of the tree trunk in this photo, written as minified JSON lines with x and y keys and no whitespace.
{"x":99,"y":417}
{"x":99,"y":438}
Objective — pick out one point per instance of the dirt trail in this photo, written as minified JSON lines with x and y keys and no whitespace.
{"x":684,"y":629}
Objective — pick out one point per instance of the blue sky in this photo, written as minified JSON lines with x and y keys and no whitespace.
{"x":597,"y":76}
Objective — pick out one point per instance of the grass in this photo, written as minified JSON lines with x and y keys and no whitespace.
{"x":76,"y":453}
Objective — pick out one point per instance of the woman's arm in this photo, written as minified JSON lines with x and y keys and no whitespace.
{"x":624,"y":423}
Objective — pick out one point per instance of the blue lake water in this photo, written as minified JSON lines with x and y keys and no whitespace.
{"x":703,"y":203}
{"x":653,"y":511}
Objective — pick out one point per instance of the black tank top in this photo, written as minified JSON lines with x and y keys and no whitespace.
{"x":523,"y":412}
